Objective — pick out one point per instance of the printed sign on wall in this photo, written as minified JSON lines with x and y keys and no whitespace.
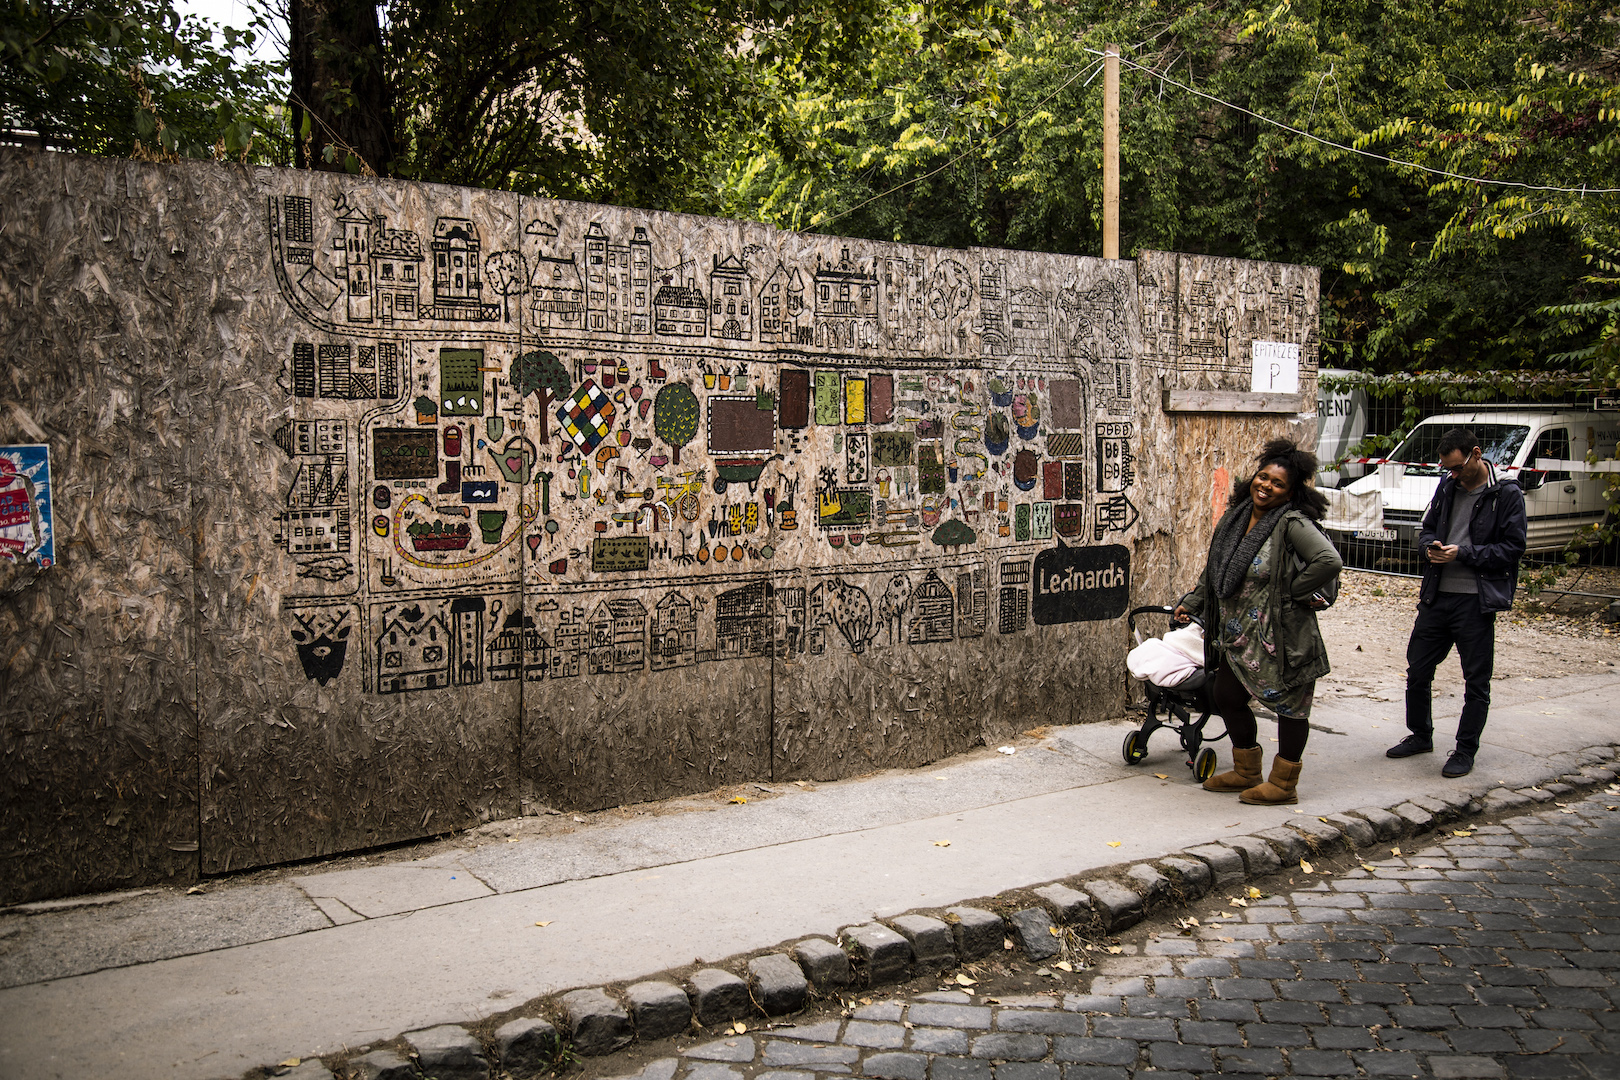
{"x":25,"y":505}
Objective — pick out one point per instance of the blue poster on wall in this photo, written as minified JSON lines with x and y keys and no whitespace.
{"x":25,"y":505}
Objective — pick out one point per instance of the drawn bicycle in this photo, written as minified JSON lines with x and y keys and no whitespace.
{"x":680,"y":495}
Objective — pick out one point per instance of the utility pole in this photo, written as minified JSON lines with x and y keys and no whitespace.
{"x":1110,"y":243}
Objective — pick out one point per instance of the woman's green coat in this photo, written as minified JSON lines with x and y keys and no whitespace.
{"x":1301,"y":650}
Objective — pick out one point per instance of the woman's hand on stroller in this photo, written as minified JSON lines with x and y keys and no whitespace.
{"x":1181,"y":616}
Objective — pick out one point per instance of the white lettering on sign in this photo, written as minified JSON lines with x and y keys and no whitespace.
{"x":1276,"y":368}
{"x":1073,"y":580}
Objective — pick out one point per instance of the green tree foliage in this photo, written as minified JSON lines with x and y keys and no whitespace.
{"x":580,"y":99}
{"x":983,"y":125}
{"x":133,"y":78}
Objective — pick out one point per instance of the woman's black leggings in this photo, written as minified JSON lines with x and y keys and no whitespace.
{"x":1231,"y":700}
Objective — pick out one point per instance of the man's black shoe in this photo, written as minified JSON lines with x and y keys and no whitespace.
{"x":1458,"y":764}
{"x":1412,"y":744}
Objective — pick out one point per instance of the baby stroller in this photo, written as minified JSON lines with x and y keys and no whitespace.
{"x":1174,"y":705}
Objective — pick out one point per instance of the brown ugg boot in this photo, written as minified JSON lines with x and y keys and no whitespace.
{"x":1245,"y":771}
{"x":1278,"y":788}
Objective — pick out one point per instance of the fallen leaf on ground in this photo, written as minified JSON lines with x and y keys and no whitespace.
{"x":1307,"y":867}
{"x":1005,"y":750}
{"x":963,"y":980}
{"x":290,"y":1063}
{"x":1462,"y":832}
{"x":739,"y":1027}
{"x":1114,"y":843}
{"x":1162,"y":776}
{"x":1369,"y":867}
{"x":548,"y":922}
{"x":1238,"y":900}
{"x":1227,"y":939}
{"x":511,"y":839}
{"x":1254,"y":893}
{"x":1394,"y":851}
{"x":1006,"y":943}
{"x":1065,"y":965}
{"x":739,"y":798}
{"x":942,"y":843}
{"x":1116,"y":949}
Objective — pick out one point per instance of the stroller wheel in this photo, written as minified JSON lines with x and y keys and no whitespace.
{"x":1135,"y":748}
{"x":1204,"y":764}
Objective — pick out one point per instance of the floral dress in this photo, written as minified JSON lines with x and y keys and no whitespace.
{"x":1247,"y":638}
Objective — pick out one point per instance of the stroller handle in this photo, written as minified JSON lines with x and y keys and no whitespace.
{"x":1153,"y":609}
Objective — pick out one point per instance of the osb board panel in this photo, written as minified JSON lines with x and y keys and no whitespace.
{"x":1213,"y":451}
{"x":350,"y":696}
{"x":1224,"y":306}
{"x":499,"y":498}
{"x":98,"y":683}
{"x":595,"y":742}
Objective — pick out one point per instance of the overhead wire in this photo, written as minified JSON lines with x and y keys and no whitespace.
{"x":1582,"y":190}
{"x":1165,"y":79}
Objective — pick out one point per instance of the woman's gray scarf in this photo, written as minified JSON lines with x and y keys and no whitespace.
{"x":1233,"y":551}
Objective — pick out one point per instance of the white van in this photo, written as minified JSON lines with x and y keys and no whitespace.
{"x":1387,"y":506}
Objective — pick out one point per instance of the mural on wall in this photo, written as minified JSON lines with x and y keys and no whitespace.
{"x":593,"y":442}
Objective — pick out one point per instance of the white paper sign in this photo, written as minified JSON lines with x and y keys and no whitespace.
{"x":1276,"y":368}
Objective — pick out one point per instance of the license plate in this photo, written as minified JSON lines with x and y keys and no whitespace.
{"x":1375,"y":534}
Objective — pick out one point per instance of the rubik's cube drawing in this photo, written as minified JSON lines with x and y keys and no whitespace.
{"x":586,"y":416}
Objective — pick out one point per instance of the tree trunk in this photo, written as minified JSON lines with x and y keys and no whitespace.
{"x":336,"y":50}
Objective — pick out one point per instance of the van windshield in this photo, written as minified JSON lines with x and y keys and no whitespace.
{"x":1499,"y":443}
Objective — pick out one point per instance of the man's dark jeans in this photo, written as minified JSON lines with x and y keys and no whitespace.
{"x":1453,"y":619}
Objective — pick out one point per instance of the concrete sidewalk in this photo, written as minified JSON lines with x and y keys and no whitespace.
{"x":166,"y":984}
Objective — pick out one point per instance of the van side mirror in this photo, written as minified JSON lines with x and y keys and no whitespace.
{"x":1531,"y":479}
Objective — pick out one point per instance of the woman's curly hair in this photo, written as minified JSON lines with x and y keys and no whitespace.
{"x":1300,"y":465}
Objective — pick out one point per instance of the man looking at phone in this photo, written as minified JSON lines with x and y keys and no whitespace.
{"x":1472,"y":537}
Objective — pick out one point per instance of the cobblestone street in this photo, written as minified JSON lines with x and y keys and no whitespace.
{"x":1489,"y":951}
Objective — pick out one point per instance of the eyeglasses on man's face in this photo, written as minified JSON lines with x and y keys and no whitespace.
{"x":1457,"y":469}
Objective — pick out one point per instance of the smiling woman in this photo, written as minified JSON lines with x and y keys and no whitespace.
{"x":1269,"y":571}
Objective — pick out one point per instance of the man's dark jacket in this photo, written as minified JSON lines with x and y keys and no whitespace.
{"x":1496,"y":539}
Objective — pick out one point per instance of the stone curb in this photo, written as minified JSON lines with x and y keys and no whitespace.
{"x":593,"y":1021}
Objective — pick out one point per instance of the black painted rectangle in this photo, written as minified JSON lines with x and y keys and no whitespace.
{"x":1081,"y":584}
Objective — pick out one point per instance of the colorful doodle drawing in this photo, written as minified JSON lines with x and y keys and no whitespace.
{"x":674,"y":632}
{"x":618,"y":636}
{"x":322,"y":638}
{"x":892,"y":607}
{"x":1013,"y":604}
{"x":26,"y":533}
{"x":425,"y":537}
{"x":847,"y":607}
{"x":933,"y":618}
{"x":917,"y":403}
{"x":587,"y":416}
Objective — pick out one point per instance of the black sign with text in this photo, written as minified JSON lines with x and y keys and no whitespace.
{"x":1081,"y":584}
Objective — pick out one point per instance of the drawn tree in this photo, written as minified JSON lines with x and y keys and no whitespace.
{"x":504,"y":269}
{"x":675,"y":416}
{"x":543,"y":375}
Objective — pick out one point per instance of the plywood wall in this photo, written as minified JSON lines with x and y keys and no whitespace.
{"x":384,"y":509}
